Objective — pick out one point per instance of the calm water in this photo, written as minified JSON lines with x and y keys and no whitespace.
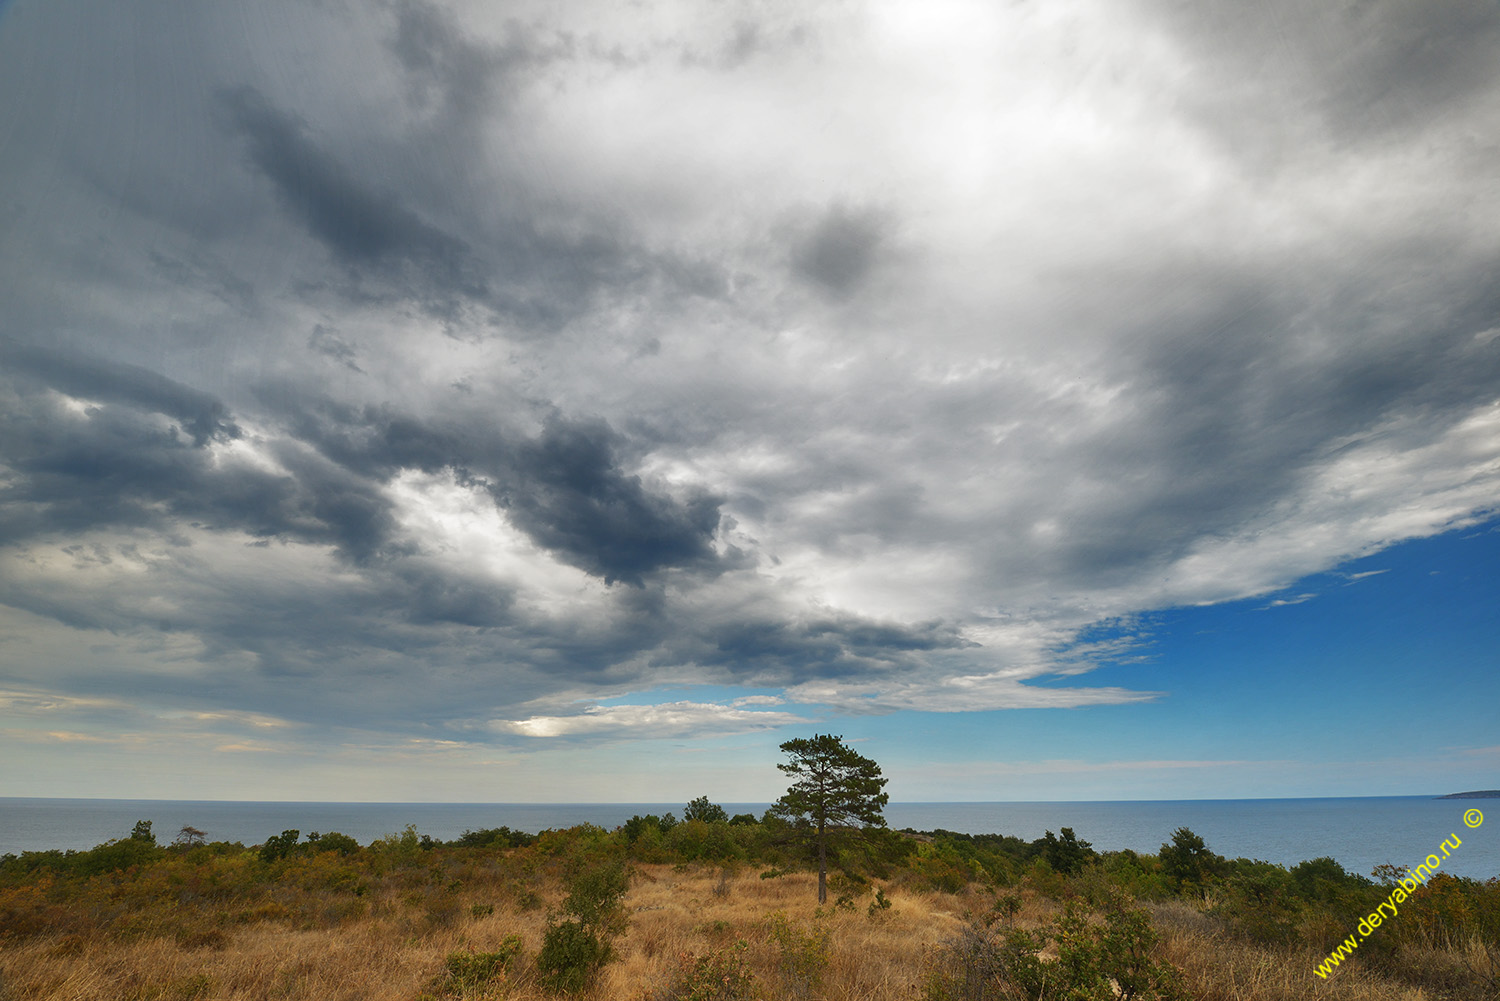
{"x":1360,"y":832}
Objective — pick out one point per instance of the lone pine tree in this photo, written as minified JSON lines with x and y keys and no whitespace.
{"x":836,"y":794}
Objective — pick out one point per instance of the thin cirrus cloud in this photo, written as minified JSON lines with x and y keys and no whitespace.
{"x":455,"y":365}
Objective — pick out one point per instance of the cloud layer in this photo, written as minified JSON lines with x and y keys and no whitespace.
{"x":405,"y":367}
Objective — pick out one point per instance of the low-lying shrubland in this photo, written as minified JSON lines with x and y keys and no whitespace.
{"x":719,"y":909}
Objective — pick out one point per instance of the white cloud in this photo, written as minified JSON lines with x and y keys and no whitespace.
{"x":670,"y":719}
{"x":758,"y":700}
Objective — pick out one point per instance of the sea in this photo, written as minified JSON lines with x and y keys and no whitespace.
{"x":1359,"y":832}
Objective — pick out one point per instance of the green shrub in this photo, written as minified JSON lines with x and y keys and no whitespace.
{"x":279,"y":846}
{"x":571,"y":956}
{"x":803,"y":956}
{"x":1007,"y":906}
{"x":702,"y":841}
{"x":976,"y":965}
{"x":722,"y":975}
{"x":1260,"y":901}
{"x":467,"y":974}
{"x":475,"y":969}
{"x":493,"y":837}
{"x":1097,"y":960}
{"x":1187,"y":861}
{"x":113,"y":856}
{"x":333,"y":842}
{"x":1090,"y":956}
{"x":702,"y":809}
{"x":1067,"y":854}
{"x":595,"y":888}
{"x":940,"y":867}
{"x":573,"y":950}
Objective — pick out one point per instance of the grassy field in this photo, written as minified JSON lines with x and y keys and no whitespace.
{"x":397,"y":923}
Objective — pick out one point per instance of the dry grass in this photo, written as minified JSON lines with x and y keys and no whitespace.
{"x":396,"y":950}
{"x":1221,"y":967}
{"x":393,"y":948}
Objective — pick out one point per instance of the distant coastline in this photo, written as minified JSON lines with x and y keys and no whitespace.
{"x":1477,"y":794}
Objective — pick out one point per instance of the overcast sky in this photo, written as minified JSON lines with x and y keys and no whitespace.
{"x":475,"y":401}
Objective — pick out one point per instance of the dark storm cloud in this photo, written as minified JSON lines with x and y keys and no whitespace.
{"x":202,"y":416}
{"x":570,"y":497}
{"x":563,"y":487}
{"x":114,"y":466}
{"x":429,"y":597}
{"x":366,"y":231}
{"x":1238,"y":400}
{"x":789,"y":652}
{"x":534,"y":264}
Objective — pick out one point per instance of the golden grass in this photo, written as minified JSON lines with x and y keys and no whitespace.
{"x":394,"y":946}
{"x":395,"y":951}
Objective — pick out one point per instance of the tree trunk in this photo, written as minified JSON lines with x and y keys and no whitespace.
{"x":822,"y":865}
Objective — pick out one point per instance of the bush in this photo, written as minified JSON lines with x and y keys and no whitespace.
{"x":332,"y":842}
{"x":977,"y":966}
{"x":1067,"y":854}
{"x":571,"y":956}
{"x":279,"y":846}
{"x":1260,"y":900}
{"x":803,"y":956}
{"x":637,"y":825}
{"x":702,"y":809}
{"x":1187,"y":861}
{"x":573,"y":950}
{"x":494,"y":837}
{"x":1096,"y":961}
{"x":404,"y":847}
{"x":700,"y":841}
{"x":722,"y":975}
{"x":471,"y":970}
{"x":595,"y":888}
{"x":113,"y":856}
{"x":1090,"y":957}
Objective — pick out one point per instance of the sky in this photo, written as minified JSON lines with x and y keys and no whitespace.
{"x":436,"y":400}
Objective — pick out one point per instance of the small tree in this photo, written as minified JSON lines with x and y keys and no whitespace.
{"x":279,"y":846}
{"x":702,"y":809}
{"x":837,"y":791}
{"x":1187,"y":861}
{"x":1067,"y":854}
{"x":190,"y":837}
{"x":142,"y":832}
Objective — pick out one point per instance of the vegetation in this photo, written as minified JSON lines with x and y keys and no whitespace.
{"x":934,"y":915}
{"x":576,"y":948}
{"x":702,"y":809}
{"x":837,"y":794}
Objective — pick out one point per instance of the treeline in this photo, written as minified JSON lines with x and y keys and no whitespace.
{"x":1316,"y":902}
